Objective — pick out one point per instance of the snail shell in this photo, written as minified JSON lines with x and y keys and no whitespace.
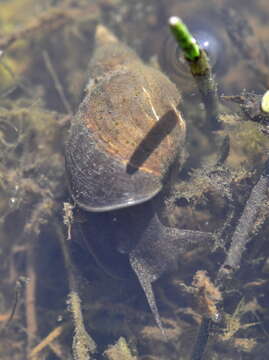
{"x":127,"y":133}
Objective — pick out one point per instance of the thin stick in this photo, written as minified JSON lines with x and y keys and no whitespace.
{"x":50,"y":20}
{"x":30,"y":234}
{"x":18,"y":288}
{"x":83,"y":344}
{"x":57,"y":83}
{"x":202,"y":339}
{"x":52,"y":336}
{"x":240,"y":239}
{"x":30,"y":297}
{"x":241,"y":236}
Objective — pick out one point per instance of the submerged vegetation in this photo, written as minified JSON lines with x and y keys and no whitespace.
{"x":50,"y":309}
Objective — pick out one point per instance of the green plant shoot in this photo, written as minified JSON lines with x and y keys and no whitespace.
{"x":184,"y":38}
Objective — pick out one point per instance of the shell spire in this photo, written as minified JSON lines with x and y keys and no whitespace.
{"x":104,"y":36}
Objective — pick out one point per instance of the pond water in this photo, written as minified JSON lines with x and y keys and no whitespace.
{"x":65,"y":294}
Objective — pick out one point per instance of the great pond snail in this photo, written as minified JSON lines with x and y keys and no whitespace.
{"x":125,"y":142}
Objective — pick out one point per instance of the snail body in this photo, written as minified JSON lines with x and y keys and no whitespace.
{"x":124,"y":143}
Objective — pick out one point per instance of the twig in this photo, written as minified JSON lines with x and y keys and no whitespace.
{"x":52,"y":336}
{"x":240,"y":239}
{"x":18,"y":288}
{"x":241,"y":236}
{"x":31,"y":231}
{"x":83,"y":344}
{"x":52,"y":19}
{"x":30,"y":297}
{"x":57,"y":83}
{"x":202,"y":339}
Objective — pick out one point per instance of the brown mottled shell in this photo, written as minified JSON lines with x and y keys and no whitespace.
{"x":127,"y":132}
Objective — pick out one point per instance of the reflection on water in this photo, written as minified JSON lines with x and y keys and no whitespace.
{"x":45,"y":52}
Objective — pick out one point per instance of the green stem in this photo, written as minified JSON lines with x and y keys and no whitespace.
{"x":200,"y":69}
{"x":184,"y":38}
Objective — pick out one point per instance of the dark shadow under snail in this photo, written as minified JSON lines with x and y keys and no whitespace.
{"x":124,"y":148}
